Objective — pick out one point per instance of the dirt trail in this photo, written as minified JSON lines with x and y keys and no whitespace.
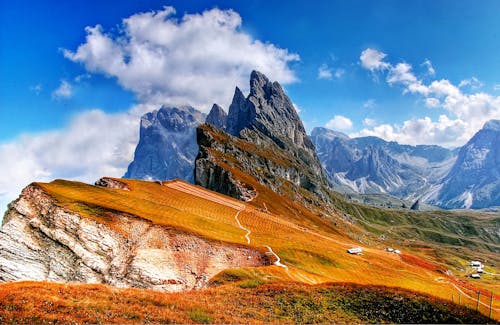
{"x":247,"y":236}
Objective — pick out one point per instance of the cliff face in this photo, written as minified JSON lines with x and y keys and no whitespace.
{"x":265,"y":138}
{"x":167,"y":145}
{"x":40,"y":240}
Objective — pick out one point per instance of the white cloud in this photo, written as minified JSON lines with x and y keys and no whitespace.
{"x":496,"y":87}
{"x":370,"y":103}
{"x":197,"y":60}
{"x":430,"y":69}
{"x":445,"y":132}
{"x":432,"y":102}
{"x":473,"y":82}
{"x":324,"y":72}
{"x":401,"y":73}
{"x":64,"y":91}
{"x":94,"y":144}
{"x":339,"y":73}
{"x":373,"y":60}
{"x":339,"y":122}
{"x":194,"y":60}
{"x":368,"y":122}
{"x":463,"y":113}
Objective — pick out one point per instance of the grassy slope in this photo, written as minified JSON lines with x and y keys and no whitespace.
{"x":313,"y":247}
{"x":241,"y":302}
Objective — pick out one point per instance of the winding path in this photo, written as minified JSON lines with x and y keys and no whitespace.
{"x":247,"y":236}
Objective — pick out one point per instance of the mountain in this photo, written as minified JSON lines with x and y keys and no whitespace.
{"x":84,"y":254}
{"x":372,"y":165}
{"x":474,"y":180}
{"x":278,"y":240}
{"x":264,"y":137}
{"x":167,"y":144}
{"x":217,"y":117}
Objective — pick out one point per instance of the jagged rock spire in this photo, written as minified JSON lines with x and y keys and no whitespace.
{"x":217,"y":117}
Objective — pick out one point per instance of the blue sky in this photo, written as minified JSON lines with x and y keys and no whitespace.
{"x":71,"y":93}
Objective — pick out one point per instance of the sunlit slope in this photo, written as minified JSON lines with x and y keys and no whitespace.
{"x":243,"y":303}
{"x":308,"y":251}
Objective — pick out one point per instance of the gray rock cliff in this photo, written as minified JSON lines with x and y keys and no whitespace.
{"x":167,"y":145}
{"x":217,"y":117}
{"x":266,"y":137}
{"x":474,"y":179}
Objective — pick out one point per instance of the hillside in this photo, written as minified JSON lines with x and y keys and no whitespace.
{"x":239,"y":303}
{"x":301,"y":246}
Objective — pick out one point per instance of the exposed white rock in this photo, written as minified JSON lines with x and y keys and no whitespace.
{"x":42,"y":241}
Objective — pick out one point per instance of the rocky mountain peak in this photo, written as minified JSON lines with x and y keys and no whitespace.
{"x":238,"y":115}
{"x":328,"y":134}
{"x":493,"y":125}
{"x":474,"y":179}
{"x":266,"y":121}
{"x":217,"y":117}
{"x":167,"y":144}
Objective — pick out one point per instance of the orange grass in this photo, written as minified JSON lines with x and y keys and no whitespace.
{"x":312,"y":247}
{"x":41,"y":302}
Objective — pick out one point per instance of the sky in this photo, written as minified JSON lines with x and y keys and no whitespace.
{"x":77,"y":75}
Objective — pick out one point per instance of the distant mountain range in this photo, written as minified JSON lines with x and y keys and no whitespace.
{"x":468,"y":177}
{"x":474,"y":180}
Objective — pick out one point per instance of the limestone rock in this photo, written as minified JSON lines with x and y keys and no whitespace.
{"x":42,"y":241}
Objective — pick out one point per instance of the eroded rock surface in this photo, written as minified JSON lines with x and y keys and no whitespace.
{"x":41,"y":241}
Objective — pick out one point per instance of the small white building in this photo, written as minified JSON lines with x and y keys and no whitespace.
{"x":475,"y":276}
{"x":389,"y":249}
{"x":476,"y":264}
{"x":355,"y":250}
{"x":397,"y":251}
{"x":480,"y":270}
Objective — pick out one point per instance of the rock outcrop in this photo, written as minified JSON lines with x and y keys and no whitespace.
{"x":167,"y":145}
{"x":217,"y":117}
{"x":111,"y":183}
{"x":42,"y":241}
{"x":264,"y":138}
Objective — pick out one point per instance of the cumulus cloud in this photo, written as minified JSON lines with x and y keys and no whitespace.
{"x":64,"y":91}
{"x":445,"y":132}
{"x":430,"y":69}
{"x":464,"y":113}
{"x":339,"y":122}
{"x":195,"y":60}
{"x":372,"y":60}
{"x":324,"y":72}
{"x":94,"y":144}
{"x":401,"y":73}
{"x":369,"y":122}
